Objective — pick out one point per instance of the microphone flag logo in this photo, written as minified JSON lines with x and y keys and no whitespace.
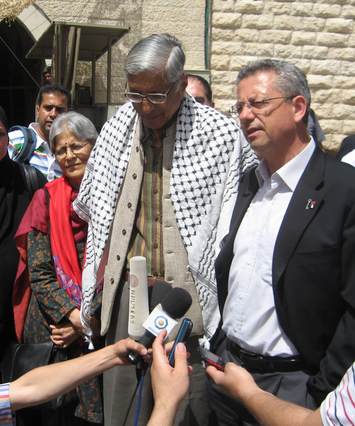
{"x":159,"y":320}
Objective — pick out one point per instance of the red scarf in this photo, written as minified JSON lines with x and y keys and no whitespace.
{"x":64,"y":227}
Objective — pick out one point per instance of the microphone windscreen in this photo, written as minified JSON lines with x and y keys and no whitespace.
{"x":177,"y":302}
{"x":159,"y":292}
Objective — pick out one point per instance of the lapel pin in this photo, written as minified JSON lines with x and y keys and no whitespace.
{"x":310,"y":204}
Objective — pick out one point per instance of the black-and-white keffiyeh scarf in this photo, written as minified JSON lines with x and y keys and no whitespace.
{"x":209,"y":156}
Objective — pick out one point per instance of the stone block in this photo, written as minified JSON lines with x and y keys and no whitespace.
{"x":277,"y":8}
{"x":275,"y":36}
{"x":326,"y":10}
{"x":332,"y":143}
{"x":226,"y":20}
{"x":222,"y":77}
{"x":247,"y":35}
{"x":283,"y":51}
{"x":220,"y":62}
{"x":344,"y":82}
{"x":332,"y":126}
{"x":348,"y":11}
{"x":338,"y":25}
{"x":260,"y":22}
{"x":223,"y":6}
{"x":325,"y":67}
{"x":302,"y":9}
{"x":343,"y":112}
{"x":225,"y":91}
{"x":299,"y":23}
{"x":249,"y":6}
{"x":224,"y":47}
{"x":320,"y":81}
{"x":347,"y":68}
{"x":327,"y":96}
{"x":332,"y":39}
{"x":315,"y":52}
{"x":237,"y":62}
{"x":349,"y":127}
{"x":346,"y":53}
{"x":303,"y":38}
{"x":219,"y":34}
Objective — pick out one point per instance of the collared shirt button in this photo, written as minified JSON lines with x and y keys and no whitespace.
{"x":129,"y":205}
{"x":112,"y":281}
{"x":137,"y":148}
{"x":118,"y":257}
{"x":124,"y":232}
{"x":134,"y":175}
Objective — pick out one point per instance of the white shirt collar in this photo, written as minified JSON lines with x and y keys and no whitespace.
{"x":40,"y":140}
{"x":291,"y":172}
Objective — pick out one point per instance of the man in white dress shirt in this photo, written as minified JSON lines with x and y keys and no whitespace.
{"x":285,"y":273}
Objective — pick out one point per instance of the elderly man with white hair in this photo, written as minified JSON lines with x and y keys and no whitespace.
{"x":163,"y":171}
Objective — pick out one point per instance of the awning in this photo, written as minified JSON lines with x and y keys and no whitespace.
{"x":95,"y":40}
{"x":66,"y":43}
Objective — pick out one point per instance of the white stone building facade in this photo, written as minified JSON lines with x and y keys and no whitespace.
{"x":219,"y":36}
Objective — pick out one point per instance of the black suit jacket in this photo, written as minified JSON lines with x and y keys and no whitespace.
{"x":313,"y":267}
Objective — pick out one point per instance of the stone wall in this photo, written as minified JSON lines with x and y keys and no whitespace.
{"x":318,"y":36}
{"x":184,"y":19}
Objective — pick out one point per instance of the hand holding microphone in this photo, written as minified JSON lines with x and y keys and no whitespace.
{"x":173,"y":306}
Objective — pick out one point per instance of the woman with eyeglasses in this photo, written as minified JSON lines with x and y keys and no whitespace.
{"x":51,"y":240}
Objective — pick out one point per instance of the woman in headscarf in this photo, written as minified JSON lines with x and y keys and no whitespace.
{"x":14,"y":199}
{"x":51,"y":240}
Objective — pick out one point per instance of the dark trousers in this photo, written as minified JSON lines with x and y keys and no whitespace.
{"x":290,"y":386}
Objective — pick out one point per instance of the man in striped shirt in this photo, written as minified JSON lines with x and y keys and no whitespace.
{"x":52,"y":100}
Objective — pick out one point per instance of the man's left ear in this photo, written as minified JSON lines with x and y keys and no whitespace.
{"x":184,"y":81}
{"x":299,"y":107}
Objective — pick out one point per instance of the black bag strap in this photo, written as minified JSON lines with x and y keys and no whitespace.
{"x":28,"y":146}
{"x":33,"y":178}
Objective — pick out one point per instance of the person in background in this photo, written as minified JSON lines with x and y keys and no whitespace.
{"x":15,"y":195}
{"x":346,"y":152}
{"x":51,"y":240}
{"x":47,"y":77}
{"x":200,"y":89}
{"x":338,"y":409}
{"x":52,"y":100}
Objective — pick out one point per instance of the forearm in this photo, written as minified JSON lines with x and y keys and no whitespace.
{"x":163,"y":414}
{"x":45,"y":383}
{"x":272,"y":411}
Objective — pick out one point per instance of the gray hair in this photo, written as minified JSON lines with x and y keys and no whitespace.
{"x":291,"y":81}
{"x":77,"y":124}
{"x":158,"y":52}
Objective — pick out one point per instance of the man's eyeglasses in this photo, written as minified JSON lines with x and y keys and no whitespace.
{"x":255,"y":105}
{"x":153,"y":98}
{"x":75,"y":148}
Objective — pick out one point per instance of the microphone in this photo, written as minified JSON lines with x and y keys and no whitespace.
{"x":138,"y":296}
{"x":172,"y":307}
